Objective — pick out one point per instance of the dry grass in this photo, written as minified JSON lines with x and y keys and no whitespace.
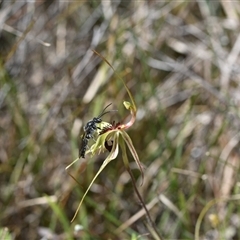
{"x":181,"y":61}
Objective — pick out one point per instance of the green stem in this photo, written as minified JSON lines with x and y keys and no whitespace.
{"x":155,"y":233}
{"x":151,"y":223}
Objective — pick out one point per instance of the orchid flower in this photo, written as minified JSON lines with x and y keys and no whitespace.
{"x":114,"y":133}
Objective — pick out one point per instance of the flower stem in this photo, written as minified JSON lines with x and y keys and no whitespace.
{"x":151,"y":223}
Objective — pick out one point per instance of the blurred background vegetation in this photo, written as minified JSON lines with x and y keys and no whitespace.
{"x":180,"y":60}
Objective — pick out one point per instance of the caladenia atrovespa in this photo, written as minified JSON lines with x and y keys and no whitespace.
{"x":115,"y":134}
{"x":111,"y":137}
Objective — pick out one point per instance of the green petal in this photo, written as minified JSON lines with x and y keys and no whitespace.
{"x":113,"y":154}
{"x":133,"y":151}
{"x":125,"y":85}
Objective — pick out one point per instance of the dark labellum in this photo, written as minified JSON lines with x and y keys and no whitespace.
{"x":108,"y":145}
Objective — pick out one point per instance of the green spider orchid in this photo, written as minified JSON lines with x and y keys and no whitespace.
{"x":115,"y":134}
